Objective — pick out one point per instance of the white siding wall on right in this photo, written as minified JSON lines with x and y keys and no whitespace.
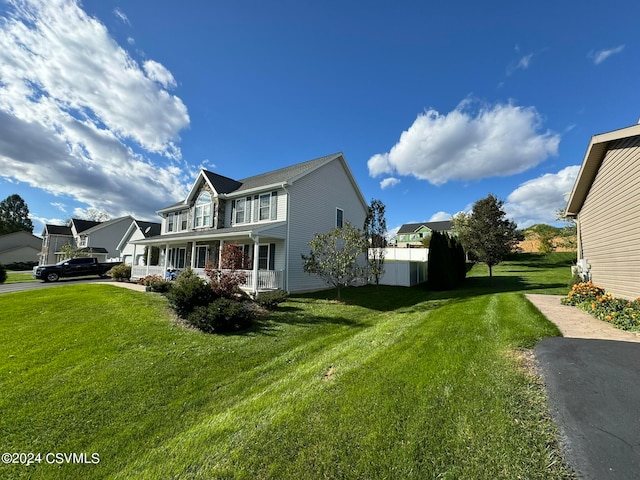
{"x":610,"y":221}
{"x":313,"y":202}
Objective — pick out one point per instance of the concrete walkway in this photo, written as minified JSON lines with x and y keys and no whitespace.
{"x":592,"y":378}
{"x":575,"y":323}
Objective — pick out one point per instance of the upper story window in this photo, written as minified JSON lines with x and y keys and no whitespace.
{"x":203,"y":211}
{"x":339,"y":217}
{"x":257,"y":209}
{"x":170,"y":222}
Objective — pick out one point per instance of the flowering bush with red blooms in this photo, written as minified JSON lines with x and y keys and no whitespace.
{"x":622,"y":313}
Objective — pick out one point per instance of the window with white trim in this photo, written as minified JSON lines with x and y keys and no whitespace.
{"x":268,"y":206}
{"x":170,"y":222}
{"x":203,"y":210}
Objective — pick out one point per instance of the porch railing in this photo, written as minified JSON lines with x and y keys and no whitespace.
{"x":267,"y":279}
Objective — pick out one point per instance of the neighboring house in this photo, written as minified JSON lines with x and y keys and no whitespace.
{"x":100,"y":239}
{"x":411,"y":235}
{"x":138,"y":230}
{"x":271,"y":216}
{"x":19,"y":246}
{"x":605,"y":204}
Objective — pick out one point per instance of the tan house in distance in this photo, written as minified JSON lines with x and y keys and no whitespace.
{"x":605,"y":203}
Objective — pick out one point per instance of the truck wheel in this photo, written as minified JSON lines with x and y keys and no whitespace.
{"x":52,"y":277}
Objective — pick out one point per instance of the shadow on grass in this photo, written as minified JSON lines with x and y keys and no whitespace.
{"x":420,"y":298}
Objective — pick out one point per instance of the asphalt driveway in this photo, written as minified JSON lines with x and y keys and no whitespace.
{"x":592,"y":376}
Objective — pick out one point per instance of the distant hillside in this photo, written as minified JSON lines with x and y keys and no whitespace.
{"x":559,"y":239}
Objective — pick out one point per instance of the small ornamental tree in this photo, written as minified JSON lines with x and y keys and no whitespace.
{"x":226,"y":282}
{"x":334,"y":256}
{"x":491,"y":237}
{"x":375,"y":231}
{"x":71,"y":251}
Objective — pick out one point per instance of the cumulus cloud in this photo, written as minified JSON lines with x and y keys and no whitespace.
{"x":538,"y":200}
{"x":157,"y":72}
{"x":600,"y":56}
{"x":501,"y":140}
{"x":389,"y":182}
{"x":440,"y":216}
{"x":79,"y":116}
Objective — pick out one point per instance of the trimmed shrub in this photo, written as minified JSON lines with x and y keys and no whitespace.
{"x":155,"y":283}
{"x":120,"y":272}
{"x":21,"y":265}
{"x":222,"y":316}
{"x":271,"y":300}
{"x":3,"y":274}
{"x":188,"y":292}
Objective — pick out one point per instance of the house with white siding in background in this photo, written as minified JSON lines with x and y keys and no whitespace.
{"x":99,"y":239}
{"x":271,"y":216}
{"x":605,"y":204}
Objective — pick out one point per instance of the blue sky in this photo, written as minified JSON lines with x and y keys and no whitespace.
{"x":115,"y":105}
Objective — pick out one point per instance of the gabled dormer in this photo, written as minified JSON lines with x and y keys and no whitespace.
{"x":204,"y":206}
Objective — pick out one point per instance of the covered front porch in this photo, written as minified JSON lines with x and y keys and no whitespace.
{"x":263,"y":253}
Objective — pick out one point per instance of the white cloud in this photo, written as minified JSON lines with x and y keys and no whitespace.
{"x":389,"y":182}
{"x":60,"y":206}
{"x":120,"y":14}
{"x":440,"y":216}
{"x":498,"y":141}
{"x":522,"y":64}
{"x":601,"y":55}
{"x":157,"y":72}
{"x":79,"y":116}
{"x":538,"y":200}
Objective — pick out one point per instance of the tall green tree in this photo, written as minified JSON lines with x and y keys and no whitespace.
{"x":14,"y":215}
{"x":334,"y":256}
{"x":491,"y":236}
{"x":375,"y":231}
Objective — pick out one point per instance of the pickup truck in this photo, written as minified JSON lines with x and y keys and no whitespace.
{"x":72,"y":267}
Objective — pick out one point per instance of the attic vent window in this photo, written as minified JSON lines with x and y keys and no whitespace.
{"x":146,"y":230}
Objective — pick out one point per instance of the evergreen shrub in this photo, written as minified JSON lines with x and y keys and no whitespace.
{"x":222,"y":316}
{"x":188,"y":292}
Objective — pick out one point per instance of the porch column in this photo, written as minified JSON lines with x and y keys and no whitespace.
{"x":256,"y":254}
{"x":220,"y":254}
{"x":166,"y":257}
{"x":193,"y":254}
{"x":133,"y":260}
{"x":149,"y":248}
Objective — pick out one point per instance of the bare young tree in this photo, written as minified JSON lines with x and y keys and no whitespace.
{"x":375,"y":231}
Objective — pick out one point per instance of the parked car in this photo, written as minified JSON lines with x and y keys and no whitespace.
{"x":73,"y":267}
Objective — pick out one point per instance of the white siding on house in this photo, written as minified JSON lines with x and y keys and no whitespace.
{"x":609,"y":225}
{"x":313,"y":202}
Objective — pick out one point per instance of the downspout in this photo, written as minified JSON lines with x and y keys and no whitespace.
{"x":286,"y":241}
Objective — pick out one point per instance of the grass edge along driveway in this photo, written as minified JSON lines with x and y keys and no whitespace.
{"x":394,"y":383}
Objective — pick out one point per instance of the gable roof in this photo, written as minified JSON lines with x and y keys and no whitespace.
{"x":225,"y":185}
{"x":220,"y":183}
{"x":596,"y":151}
{"x":149,"y":229}
{"x":82,"y":225}
{"x":441,"y":226}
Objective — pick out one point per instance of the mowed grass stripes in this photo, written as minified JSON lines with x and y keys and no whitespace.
{"x":392,"y":383}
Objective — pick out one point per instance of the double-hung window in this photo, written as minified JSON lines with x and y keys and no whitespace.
{"x":267,"y":206}
{"x":339,"y":217}
{"x":170,"y":222}
{"x":202,"y":217}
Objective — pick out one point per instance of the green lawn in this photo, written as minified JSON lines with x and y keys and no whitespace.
{"x":393,"y":383}
{"x":19,"y":277}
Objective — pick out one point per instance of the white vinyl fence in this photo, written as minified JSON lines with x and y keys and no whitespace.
{"x":404,"y":267}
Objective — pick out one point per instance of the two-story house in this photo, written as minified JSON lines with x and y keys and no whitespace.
{"x":271,"y":216}
{"x":411,"y":235}
{"x":101,"y":239}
